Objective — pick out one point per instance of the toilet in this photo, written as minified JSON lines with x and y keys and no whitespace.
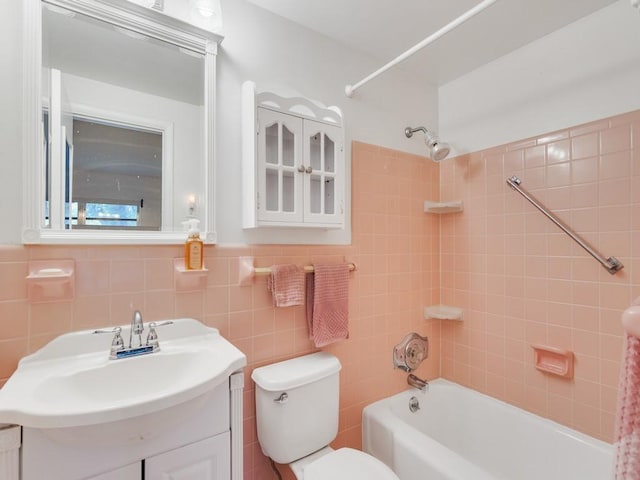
{"x":297,"y":418}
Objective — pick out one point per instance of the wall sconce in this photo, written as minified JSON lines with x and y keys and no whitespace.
{"x":157,"y":4}
{"x":207,"y":12}
{"x":205,"y":8}
{"x":191,"y":203}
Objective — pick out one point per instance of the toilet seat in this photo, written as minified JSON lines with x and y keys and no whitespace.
{"x":348,"y":464}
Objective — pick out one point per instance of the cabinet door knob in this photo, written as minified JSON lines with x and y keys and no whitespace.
{"x":301,"y":169}
{"x":308,"y":170}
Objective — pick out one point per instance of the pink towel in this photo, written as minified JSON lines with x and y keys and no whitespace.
{"x":328,"y":304}
{"x":286,"y":284}
{"x":627,"y":438}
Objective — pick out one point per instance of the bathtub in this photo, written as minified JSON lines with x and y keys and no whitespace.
{"x":460,"y":434}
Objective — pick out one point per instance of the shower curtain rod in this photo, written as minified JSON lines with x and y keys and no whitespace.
{"x":350,"y":89}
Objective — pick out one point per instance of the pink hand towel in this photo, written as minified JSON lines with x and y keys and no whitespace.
{"x":627,"y":438}
{"x":328,"y":304}
{"x":286,"y":284}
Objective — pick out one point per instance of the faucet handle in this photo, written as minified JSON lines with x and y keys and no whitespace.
{"x":162,"y":324}
{"x":152,"y":336}
{"x":107,"y":330}
{"x":117,"y":343}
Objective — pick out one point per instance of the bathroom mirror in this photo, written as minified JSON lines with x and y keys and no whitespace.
{"x":119,"y":104}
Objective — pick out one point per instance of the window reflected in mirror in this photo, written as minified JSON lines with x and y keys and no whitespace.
{"x":112,"y":176}
{"x":117,"y":176}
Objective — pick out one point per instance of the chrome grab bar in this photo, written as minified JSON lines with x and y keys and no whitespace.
{"x":611,"y":264}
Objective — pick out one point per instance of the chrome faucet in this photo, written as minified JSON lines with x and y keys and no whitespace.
{"x":137,"y":327}
{"x":417,"y":382}
{"x":118,"y":349}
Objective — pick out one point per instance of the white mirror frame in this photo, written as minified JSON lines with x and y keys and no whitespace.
{"x":146,"y":21}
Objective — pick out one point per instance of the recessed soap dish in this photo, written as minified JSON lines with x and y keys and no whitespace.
{"x":188,"y":280}
{"x":556,"y":361}
{"x":50,"y":280}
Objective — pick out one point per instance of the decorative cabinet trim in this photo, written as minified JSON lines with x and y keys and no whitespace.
{"x":293,"y":164}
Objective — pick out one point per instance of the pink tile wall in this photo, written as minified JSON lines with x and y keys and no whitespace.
{"x":394,"y":245}
{"x":520,"y":280}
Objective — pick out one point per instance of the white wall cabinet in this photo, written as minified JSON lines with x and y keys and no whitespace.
{"x":293,"y":162}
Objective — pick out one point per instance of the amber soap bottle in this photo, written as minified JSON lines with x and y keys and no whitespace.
{"x":194,"y":247}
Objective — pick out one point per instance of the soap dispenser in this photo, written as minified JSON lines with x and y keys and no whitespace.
{"x":193,"y":249}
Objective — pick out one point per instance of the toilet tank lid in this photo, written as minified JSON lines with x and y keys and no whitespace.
{"x":296,"y":372}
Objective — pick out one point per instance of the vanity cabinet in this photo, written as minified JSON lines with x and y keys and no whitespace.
{"x":130,"y":472}
{"x":193,"y":444}
{"x":204,"y":460}
{"x":293,"y":162}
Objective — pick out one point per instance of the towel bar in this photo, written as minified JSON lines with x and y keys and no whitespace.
{"x":306,"y":268}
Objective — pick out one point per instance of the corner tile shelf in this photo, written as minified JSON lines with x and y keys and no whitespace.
{"x":51,"y":280}
{"x":443,"y":312}
{"x":556,"y":361}
{"x":188,"y":280}
{"x":443,"y":207}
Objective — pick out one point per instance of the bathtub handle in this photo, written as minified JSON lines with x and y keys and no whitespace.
{"x":283,"y":398}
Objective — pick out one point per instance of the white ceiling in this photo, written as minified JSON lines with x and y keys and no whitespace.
{"x":386,"y":28}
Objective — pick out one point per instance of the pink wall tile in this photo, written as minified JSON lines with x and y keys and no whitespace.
{"x":14,"y":318}
{"x":585,"y":146}
{"x":554,"y":292}
{"x":396,"y":247}
{"x":517,"y":277}
{"x":615,"y":139}
{"x":12,"y":284}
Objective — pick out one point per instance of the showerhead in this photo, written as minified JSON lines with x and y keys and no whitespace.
{"x":439,"y":150}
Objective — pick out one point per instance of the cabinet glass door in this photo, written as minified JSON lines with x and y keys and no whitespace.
{"x":323,"y":144}
{"x":279,"y":158}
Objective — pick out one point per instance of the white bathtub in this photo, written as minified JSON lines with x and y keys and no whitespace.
{"x":460,"y":434}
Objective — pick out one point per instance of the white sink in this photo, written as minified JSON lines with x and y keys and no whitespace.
{"x":71,"y":382}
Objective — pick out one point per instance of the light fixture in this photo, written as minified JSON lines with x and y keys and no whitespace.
{"x":206,"y":14}
{"x":192,"y":204}
{"x":206,"y":8}
{"x":144,"y":3}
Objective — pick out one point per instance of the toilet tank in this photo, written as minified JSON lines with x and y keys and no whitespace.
{"x":304,"y":420}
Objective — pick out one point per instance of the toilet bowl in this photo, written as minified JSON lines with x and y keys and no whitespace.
{"x":297,"y":404}
{"x":342,"y":464}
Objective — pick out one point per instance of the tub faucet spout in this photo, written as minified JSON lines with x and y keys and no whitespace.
{"x":418,"y":383}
